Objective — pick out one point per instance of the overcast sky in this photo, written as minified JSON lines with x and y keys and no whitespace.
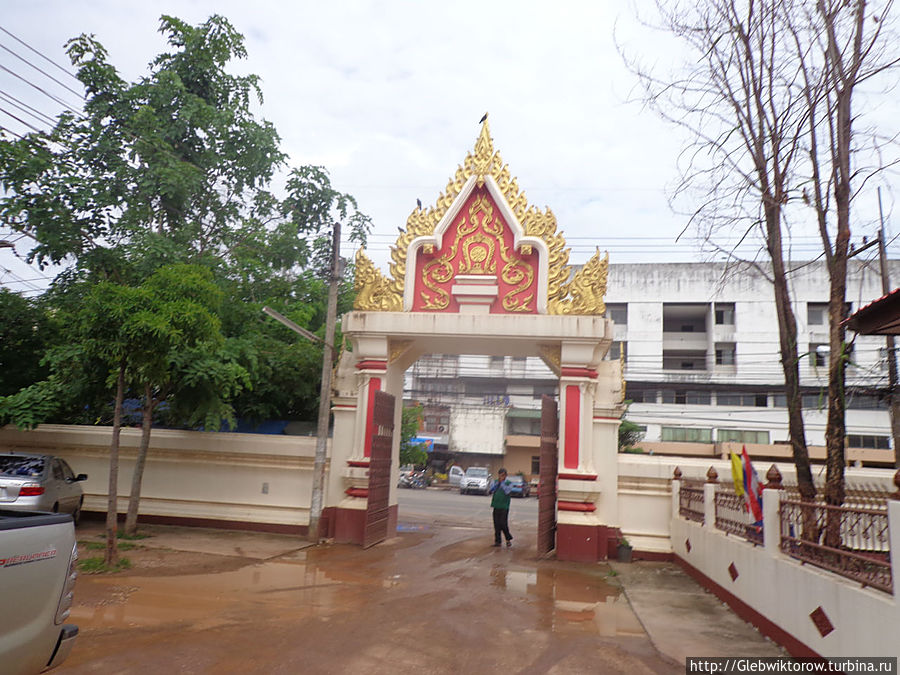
{"x":387,"y":96}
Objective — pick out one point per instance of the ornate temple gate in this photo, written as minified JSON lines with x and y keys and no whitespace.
{"x":546,"y":533}
{"x":481,"y":272}
{"x":379,"y":470}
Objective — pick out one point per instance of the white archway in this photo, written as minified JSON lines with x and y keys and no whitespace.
{"x":484,"y":273}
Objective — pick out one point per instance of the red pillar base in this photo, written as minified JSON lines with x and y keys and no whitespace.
{"x":348,"y":526}
{"x":584,"y":543}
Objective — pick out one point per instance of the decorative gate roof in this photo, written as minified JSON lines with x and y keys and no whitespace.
{"x":482,"y":246}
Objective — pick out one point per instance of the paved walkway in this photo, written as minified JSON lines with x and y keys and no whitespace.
{"x":434,"y":599}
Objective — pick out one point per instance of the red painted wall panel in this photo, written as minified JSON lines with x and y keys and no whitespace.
{"x":573,"y":426}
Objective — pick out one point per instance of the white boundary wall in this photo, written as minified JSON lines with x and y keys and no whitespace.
{"x":262,"y":479}
{"x":866,"y":622}
{"x":251,"y":478}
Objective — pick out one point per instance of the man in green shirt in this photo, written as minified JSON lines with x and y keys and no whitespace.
{"x":501,"y":488}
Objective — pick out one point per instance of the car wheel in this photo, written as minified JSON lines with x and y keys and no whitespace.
{"x":76,"y":514}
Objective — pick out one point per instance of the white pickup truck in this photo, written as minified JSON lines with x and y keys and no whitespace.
{"x":37,"y":574}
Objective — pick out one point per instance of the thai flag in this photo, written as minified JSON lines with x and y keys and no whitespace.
{"x":752,"y":488}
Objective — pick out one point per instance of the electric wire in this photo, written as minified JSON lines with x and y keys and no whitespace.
{"x":19,"y":119}
{"x":43,"y":72}
{"x":40,"y":89}
{"x":39,"y":53}
{"x":34,"y":112}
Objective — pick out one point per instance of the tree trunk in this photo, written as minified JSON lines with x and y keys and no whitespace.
{"x":790,"y":363}
{"x":843,"y":71}
{"x":112,"y":505}
{"x":138,"y":476}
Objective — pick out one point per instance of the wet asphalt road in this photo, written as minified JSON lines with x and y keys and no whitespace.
{"x":436,"y":598}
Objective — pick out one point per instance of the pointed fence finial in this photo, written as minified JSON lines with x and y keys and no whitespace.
{"x":712,"y":476}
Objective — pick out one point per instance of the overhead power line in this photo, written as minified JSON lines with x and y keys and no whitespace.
{"x":19,"y":119}
{"x":24,"y":107}
{"x":42,"y":71}
{"x":41,"y":54}
{"x":46,"y":93}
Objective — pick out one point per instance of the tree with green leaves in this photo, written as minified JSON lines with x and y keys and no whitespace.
{"x":173,"y":169}
{"x":23,"y":341}
{"x":411,"y":453}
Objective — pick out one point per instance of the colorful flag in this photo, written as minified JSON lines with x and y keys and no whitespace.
{"x":752,"y":488}
{"x":737,"y":474}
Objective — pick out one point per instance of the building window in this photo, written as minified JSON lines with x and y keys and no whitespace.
{"x":640,"y":395}
{"x":724,"y":313}
{"x":748,"y":400}
{"x":857,"y":401}
{"x":742,"y":436}
{"x":871,"y":442}
{"x":684,"y":359}
{"x":685,"y":435}
{"x":817,"y":313}
{"x":536,"y":464}
{"x":618,"y":350}
{"x":618,"y":312}
{"x":497,"y":361}
{"x":684,"y":397}
{"x":725,"y":354}
{"x":818,"y":354}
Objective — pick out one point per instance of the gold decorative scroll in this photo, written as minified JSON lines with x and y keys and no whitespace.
{"x":373,"y":291}
{"x":578,"y":296}
{"x":586,"y":290}
{"x":552,"y":356}
{"x":398,"y":348}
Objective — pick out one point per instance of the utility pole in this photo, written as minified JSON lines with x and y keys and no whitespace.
{"x":894,"y":399}
{"x":318,"y":486}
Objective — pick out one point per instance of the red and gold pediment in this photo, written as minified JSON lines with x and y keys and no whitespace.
{"x":482,"y":248}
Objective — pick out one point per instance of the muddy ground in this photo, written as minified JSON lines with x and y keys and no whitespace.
{"x":433,"y":599}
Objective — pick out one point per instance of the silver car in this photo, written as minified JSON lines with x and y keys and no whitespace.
{"x":32,"y":482}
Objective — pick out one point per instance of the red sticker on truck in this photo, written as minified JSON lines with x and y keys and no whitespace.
{"x":28,"y":558}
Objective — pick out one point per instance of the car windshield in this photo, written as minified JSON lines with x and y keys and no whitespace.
{"x":516,"y":479}
{"x":21,"y":466}
{"x":477,"y":472}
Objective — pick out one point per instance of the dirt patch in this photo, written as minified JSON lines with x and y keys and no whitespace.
{"x":159,"y":562}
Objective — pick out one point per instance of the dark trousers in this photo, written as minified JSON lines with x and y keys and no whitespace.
{"x":501,"y":524}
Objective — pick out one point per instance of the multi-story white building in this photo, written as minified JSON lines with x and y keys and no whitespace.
{"x":702,"y":364}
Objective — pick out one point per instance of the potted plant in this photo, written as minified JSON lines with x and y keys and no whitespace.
{"x":624,"y":550}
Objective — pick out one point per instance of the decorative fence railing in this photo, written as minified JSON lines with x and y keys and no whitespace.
{"x":849,"y":541}
{"x":731,"y":515}
{"x":690,"y":502}
{"x":852,"y":540}
{"x":855,"y":495}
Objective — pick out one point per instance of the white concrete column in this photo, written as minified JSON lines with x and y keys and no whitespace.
{"x":771,"y":521}
{"x":676,"y":498}
{"x":709,"y":505}
{"x":894,"y":535}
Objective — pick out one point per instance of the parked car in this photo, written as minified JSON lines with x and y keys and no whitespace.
{"x":519,"y":487}
{"x":33,"y":482}
{"x":477,"y":479}
{"x":454,"y":475}
{"x":38,"y":555}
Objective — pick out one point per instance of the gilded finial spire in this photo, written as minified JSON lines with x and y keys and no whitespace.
{"x":484,"y":153}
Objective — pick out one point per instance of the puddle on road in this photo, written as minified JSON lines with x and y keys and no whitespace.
{"x":570,"y":600}
{"x":207,"y":601}
{"x":322,"y":583}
